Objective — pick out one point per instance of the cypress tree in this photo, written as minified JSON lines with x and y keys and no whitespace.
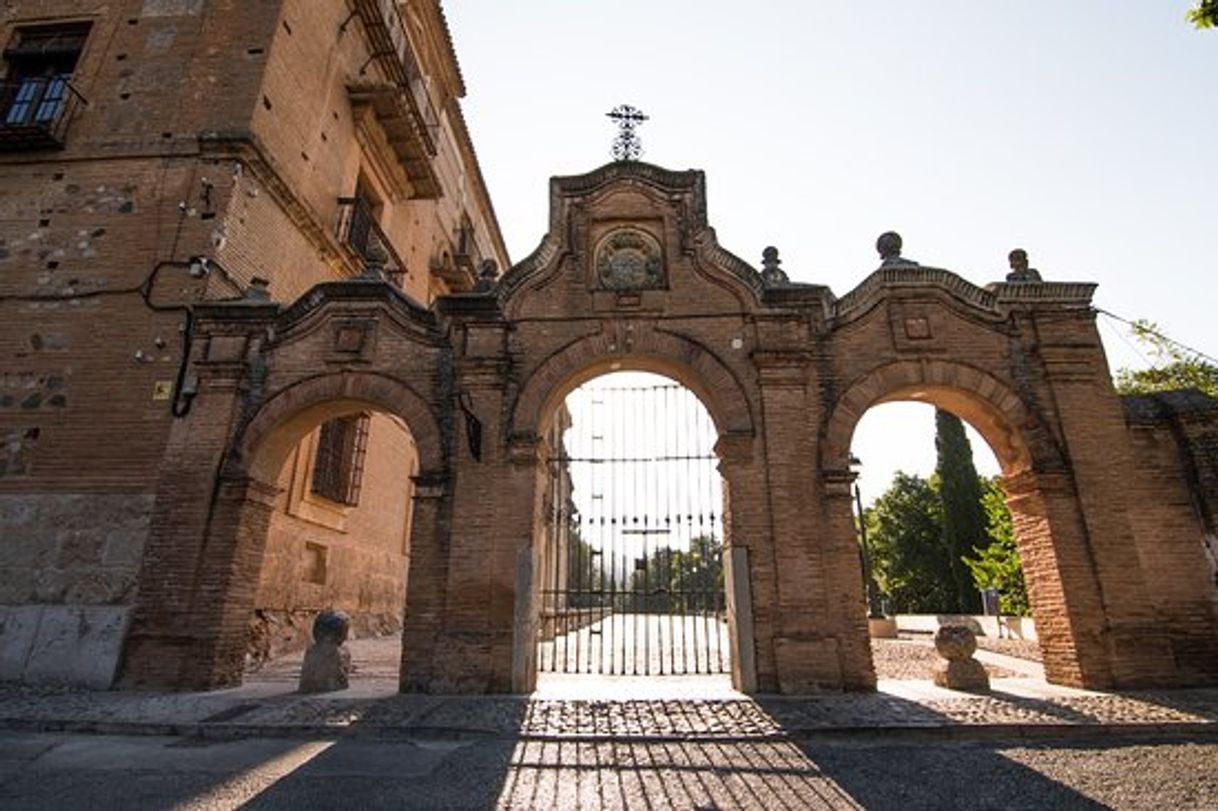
{"x":964,"y":520}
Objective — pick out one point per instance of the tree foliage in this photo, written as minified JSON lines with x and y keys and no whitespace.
{"x":936,"y":543}
{"x":1205,"y":15}
{"x":674,"y":581}
{"x":964,"y":520}
{"x":911,"y":564}
{"x":904,"y":538}
{"x":1175,"y":367}
{"x":998,"y":566}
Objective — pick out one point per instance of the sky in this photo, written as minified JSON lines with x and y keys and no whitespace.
{"x":1081,"y":131}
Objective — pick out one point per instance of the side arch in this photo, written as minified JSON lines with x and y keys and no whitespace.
{"x":282,"y":421}
{"x":1013,"y":431}
{"x":665,"y":353}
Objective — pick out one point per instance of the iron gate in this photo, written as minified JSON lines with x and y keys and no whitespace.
{"x":632,"y":575}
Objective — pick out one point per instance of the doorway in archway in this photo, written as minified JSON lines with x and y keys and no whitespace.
{"x":938,"y":545}
{"x":631,"y":572}
{"x":337,"y":537}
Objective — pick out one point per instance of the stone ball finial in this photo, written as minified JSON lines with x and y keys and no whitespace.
{"x":258,"y":290}
{"x":331,"y":626}
{"x":1020,"y":272}
{"x":955,"y":642}
{"x":488,"y":276}
{"x":1019,"y":260}
{"x":771,"y":274}
{"x":375,"y":258}
{"x":889,"y":245}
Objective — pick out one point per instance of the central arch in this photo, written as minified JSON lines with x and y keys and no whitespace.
{"x":540,"y":410}
{"x":654,"y":350}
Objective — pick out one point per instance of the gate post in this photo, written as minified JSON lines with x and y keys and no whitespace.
{"x":744,"y":529}
{"x":427,"y":582}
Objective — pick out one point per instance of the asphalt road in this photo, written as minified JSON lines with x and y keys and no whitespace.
{"x":49,"y":771}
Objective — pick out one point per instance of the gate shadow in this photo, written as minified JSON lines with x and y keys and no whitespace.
{"x":814,"y":752}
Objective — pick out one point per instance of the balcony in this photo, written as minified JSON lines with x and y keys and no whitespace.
{"x":360,"y":233}
{"x":402,"y":106}
{"x":36,"y":112}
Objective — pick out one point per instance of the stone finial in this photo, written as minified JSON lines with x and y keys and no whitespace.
{"x":956,"y":644}
{"x":327,"y":663}
{"x":258,"y":290}
{"x":771,"y":274}
{"x":889,"y":247}
{"x":1020,"y":272}
{"x":488,"y":276}
{"x":375,"y":257}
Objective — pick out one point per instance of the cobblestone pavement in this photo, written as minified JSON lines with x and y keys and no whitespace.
{"x":614,"y":742}
{"x":592,"y":707}
{"x":98,"y":772}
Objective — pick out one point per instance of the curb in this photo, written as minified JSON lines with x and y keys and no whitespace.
{"x":928,"y":732}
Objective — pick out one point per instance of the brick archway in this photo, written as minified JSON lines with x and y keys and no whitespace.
{"x":974,"y":395}
{"x":278,"y":425}
{"x":671,"y":355}
{"x":785,"y":371}
{"x":1029,"y":461}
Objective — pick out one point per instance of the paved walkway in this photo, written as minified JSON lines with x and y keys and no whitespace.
{"x":592,"y":708}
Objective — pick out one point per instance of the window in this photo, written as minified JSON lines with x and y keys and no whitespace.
{"x":360,"y":230}
{"x":338,"y":469}
{"x":37,"y":98}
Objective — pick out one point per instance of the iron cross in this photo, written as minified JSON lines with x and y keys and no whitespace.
{"x":627,"y":146}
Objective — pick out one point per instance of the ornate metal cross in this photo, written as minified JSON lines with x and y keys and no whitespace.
{"x":627,"y":146}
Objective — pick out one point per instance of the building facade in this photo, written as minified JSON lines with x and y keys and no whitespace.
{"x":158,"y":154}
{"x":254,"y":365}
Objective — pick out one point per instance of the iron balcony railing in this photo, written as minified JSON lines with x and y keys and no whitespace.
{"x":390,"y":47}
{"x":360,"y":232}
{"x":35,"y":112}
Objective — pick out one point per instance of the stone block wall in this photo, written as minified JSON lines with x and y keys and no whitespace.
{"x":70,"y":566}
{"x":1174,"y":497}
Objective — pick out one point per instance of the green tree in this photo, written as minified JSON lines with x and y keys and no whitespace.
{"x":904,"y":538}
{"x":679,"y":581}
{"x":1205,"y":15}
{"x":964,"y":520}
{"x":1175,"y":366}
{"x":998,"y":566}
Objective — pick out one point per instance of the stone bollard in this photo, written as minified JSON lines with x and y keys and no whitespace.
{"x":327,"y":662}
{"x":961,"y":671}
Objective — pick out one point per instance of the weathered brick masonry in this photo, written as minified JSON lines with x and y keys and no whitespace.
{"x":161,"y":415}
{"x":239,"y":133}
{"x":630,"y":277}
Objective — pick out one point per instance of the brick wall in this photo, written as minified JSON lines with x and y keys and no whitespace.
{"x":220,"y":130}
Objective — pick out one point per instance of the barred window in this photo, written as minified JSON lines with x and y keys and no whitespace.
{"x":338,"y":469}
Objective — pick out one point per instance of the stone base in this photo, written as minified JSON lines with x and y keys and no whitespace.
{"x":882,"y":627}
{"x":62,"y":644}
{"x":962,"y":674}
{"x":325,"y":669}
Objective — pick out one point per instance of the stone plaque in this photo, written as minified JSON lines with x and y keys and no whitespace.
{"x":917,"y":328}
{"x":629,"y":259}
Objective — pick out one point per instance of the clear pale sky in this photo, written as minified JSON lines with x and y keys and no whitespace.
{"x":1084,"y":132}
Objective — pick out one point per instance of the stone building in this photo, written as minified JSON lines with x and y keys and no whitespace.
{"x":242,"y":272}
{"x":157,"y":154}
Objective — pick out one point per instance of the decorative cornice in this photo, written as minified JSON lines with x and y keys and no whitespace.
{"x":247,"y":148}
{"x":283,"y":320}
{"x":913,"y":276}
{"x":690,"y":181}
{"x":526,"y":268}
{"x":707,"y":246}
{"x":1079,"y":293}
